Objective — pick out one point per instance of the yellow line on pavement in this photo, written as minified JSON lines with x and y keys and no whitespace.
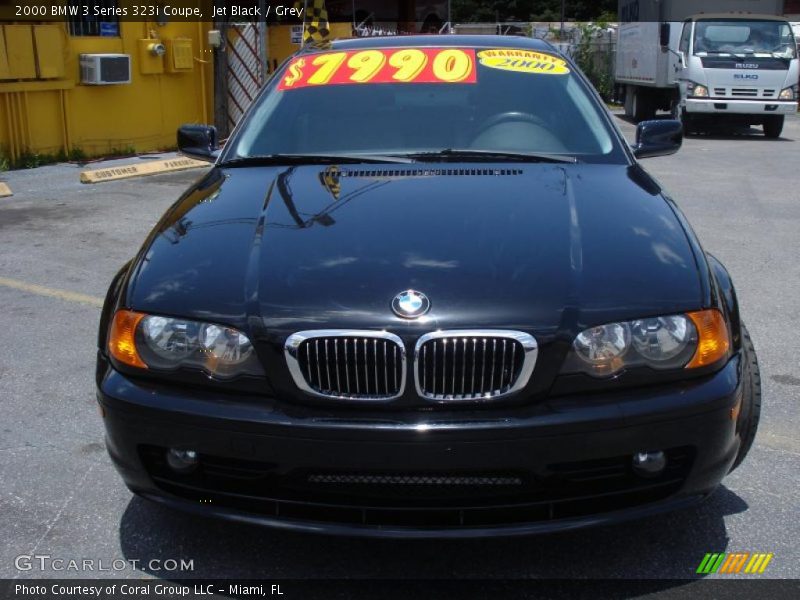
{"x":41,"y":290}
{"x":5,"y":190}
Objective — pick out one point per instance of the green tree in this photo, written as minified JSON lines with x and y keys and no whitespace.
{"x":594,"y":61}
{"x":476,"y":11}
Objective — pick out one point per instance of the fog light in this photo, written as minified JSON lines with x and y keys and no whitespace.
{"x":649,"y":464}
{"x":182,"y":461}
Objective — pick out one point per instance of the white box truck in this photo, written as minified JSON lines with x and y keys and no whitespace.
{"x":721,"y":61}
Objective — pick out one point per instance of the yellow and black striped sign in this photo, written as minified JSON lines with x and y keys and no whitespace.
{"x":329,"y":179}
{"x":315,"y":21}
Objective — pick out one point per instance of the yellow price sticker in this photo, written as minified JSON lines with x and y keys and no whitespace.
{"x":385,"y":65}
{"x":523,"y":61}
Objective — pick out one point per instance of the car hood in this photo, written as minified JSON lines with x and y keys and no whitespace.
{"x":537,"y":247}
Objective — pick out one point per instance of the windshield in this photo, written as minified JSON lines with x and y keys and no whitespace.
{"x":405,"y":101}
{"x":765,"y":38}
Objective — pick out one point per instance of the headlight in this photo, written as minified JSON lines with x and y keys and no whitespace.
{"x":165,"y":343}
{"x":697,"y":91}
{"x":169,"y":340}
{"x":601,"y":348}
{"x":789,"y":93}
{"x":663,"y":341}
{"x":695,"y":339}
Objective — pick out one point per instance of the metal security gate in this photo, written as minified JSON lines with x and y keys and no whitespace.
{"x":245,"y":72}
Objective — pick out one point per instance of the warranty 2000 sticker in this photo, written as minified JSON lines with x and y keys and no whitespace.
{"x":523,"y":61}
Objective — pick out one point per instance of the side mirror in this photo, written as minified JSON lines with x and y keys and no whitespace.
{"x":198,"y":141}
{"x":663,"y":36}
{"x":658,"y":138}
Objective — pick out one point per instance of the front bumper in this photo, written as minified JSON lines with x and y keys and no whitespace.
{"x":740,"y":107}
{"x":560,"y":464}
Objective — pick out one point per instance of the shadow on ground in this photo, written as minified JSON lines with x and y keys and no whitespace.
{"x":718,"y":132}
{"x":668,"y":546}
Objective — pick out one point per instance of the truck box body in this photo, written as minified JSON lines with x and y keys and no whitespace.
{"x":678,"y":10}
{"x":639,"y":59}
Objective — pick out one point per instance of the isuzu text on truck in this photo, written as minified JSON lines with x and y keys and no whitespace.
{"x":711,"y":62}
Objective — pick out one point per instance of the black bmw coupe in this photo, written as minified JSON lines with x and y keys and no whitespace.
{"x":426,"y":290}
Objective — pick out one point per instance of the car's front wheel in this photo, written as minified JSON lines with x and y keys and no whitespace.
{"x":750,"y":413}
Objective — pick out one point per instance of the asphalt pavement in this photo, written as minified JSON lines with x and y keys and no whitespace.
{"x":62,"y":241}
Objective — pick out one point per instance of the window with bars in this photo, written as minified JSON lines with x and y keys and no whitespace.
{"x":86,"y":21}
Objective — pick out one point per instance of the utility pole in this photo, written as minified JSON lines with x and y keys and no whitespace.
{"x":563,"y":14}
{"x":221,"y":80}
{"x":262,"y":40}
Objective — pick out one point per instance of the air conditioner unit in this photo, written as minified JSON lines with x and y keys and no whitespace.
{"x":105,"y":69}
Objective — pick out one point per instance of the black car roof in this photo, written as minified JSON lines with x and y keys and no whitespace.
{"x":462,"y":41}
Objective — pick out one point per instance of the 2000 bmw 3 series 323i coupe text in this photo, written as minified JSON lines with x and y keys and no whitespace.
{"x":426,"y":290}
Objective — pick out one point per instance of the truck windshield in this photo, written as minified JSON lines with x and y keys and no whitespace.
{"x":407,"y":101}
{"x":737,"y":37}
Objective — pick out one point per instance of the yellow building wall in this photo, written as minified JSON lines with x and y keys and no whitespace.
{"x":46,"y":116}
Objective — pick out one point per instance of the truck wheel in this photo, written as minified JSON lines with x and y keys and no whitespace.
{"x":773,"y":126}
{"x":750,"y":413}
{"x":642,"y":106}
{"x":692,"y":124}
{"x":688,"y":121}
{"x":630,"y":92}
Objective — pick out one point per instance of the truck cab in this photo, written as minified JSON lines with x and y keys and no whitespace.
{"x":743,"y":69}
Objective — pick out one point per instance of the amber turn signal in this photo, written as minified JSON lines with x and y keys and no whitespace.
{"x":121,"y":342}
{"x":713,"y":341}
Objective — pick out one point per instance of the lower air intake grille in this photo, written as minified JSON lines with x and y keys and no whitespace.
{"x":385,"y":479}
{"x":473,"y":365}
{"x":353,"y":365}
{"x":451,"y":499}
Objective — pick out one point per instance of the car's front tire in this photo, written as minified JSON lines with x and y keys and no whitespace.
{"x":750,"y":413}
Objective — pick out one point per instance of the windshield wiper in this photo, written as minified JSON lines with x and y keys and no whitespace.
{"x":490,"y":156}
{"x":309,"y":159}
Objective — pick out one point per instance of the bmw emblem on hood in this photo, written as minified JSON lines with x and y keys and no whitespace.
{"x":410,"y":304}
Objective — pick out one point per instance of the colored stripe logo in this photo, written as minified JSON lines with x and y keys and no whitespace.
{"x":734,"y":562}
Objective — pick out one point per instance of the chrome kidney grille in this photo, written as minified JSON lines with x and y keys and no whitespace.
{"x":473,"y":365}
{"x":455,"y":365}
{"x":348,"y":365}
